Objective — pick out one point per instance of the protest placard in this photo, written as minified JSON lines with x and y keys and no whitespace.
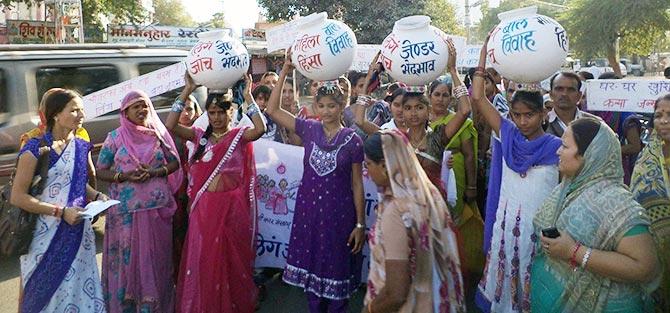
{"x":154,"y":83}
{"x":282,"y":36}
{"x":364,"y":56}
{"x":624,"y":95}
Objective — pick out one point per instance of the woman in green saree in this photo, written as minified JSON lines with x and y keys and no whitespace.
{"x":651,"y":188}
{"x":463,"y":147}
{"x":604,"y":258}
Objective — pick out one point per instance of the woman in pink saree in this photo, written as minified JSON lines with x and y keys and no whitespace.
{"x":217,"y":259}
{"x":140,"y":161}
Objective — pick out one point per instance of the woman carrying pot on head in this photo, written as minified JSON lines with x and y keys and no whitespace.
{"x":140,"y":161}
{"x":429,"y":143}
{"x":216,"y":271}
{"x":329,"y":222}
{"x":60,"y":270}
{"x":650,"y":186}
{"x":414,"y":263}
{"x":523,"y":173}
{"x":600,"y":255}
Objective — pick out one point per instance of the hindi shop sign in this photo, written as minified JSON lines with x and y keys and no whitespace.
{"x":279,"y":172}
{"x":30,"y":32}
{"x":625,"y":95}
{"x":154,"y":35}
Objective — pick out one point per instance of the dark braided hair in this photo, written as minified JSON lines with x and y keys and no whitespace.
{"x":221,"y":100}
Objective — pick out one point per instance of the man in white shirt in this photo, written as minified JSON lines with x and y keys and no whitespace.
{"x":565,"y":94}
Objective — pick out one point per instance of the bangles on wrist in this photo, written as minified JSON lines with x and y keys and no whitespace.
{"x":117,"y":177}
{"x":178,"y":106}
{"x":460,"y":91}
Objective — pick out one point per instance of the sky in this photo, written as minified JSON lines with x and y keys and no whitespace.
{"x":244,"y":13}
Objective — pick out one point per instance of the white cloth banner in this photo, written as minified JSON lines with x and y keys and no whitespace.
{"x":282,"y":36}
{"x":154,"y":83}
{"x":279,"y":172}
{"x":363,"y":57}
{"x":625,"y":95}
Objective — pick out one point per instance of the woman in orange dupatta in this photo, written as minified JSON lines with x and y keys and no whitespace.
{"x":217,"y":259}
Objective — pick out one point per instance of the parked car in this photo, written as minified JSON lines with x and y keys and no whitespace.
{"x":27,"y":71}
{"x":600,"y":66}
{"x":633,"y":69}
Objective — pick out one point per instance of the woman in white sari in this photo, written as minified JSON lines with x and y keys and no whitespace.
{"x":59,"y":273}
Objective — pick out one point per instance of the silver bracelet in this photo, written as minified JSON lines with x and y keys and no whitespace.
{"x":586,"y":257}
{"x":178,"y":105}
{"x":460,"y":91}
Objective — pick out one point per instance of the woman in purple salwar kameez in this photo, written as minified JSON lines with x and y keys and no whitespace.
{"x":328,"y":224}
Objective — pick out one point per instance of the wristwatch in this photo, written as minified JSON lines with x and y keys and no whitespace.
{"x":359,"y":225}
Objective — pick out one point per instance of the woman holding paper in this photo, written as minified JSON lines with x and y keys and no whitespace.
{"x":141,"y":162}
{"x":216,"y":270}
{"x":463,"y":147}
{"x":60,"y":270}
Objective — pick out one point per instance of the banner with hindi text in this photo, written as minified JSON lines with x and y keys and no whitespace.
{"x":625,"y":95}
{"x":279,"y":172}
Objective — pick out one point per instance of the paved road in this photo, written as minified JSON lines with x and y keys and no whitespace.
{"x":280,"y":298}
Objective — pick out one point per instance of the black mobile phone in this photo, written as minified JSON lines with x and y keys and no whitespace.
{"x":551,"y":232}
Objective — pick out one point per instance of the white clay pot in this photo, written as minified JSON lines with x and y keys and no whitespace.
{"x":323,"y":49}
{"x":218,"y":60}
{"x":527,"y":47}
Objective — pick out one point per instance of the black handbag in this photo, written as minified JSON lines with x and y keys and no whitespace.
{"x":17,"y":225}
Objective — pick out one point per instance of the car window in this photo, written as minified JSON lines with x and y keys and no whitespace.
{"x":165,"y":99}
{"x":83,"y":79}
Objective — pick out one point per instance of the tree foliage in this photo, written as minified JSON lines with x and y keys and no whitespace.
{"x":217,"y":21}
{"x":372,"y":21}
{"x":593,"y":26}
{"x":172,"y":13}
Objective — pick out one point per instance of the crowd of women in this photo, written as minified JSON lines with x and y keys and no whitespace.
{"x":560,"y":232}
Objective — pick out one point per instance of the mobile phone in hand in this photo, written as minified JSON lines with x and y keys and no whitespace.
{"x":551,"y":232}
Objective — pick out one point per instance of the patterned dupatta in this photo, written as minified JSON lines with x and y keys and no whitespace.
{"x":65,"y":187}
{"x":596,"y":209}
{"x":437,"y":265}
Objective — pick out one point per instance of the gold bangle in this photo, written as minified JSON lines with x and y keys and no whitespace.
{"x":116,"y":177}
{"x":166,"y":170}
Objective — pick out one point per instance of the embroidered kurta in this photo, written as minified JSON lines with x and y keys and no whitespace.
{"x":319,"y":259}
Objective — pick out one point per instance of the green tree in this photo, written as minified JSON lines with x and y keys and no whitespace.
{"x":366,"y":18}
{"x":173,"y":13}
{"x":443,"y":14}
{"x":123,"y":11}
{"x":218,"y":21}
{"x":595,"y":26}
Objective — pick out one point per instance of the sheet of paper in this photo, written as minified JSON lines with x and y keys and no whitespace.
{"x":96,"y":207}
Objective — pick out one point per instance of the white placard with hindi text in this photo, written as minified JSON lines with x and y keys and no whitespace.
{"x":625,"y":95}
{"x":153,"y":83}
{"x":282,"y":36}
{"x":364,"y":56}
